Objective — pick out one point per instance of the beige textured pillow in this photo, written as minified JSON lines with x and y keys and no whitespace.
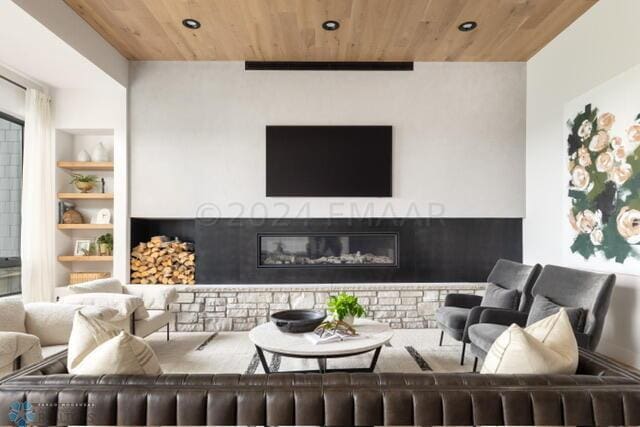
{"x":109,"y":285}
{"x":124,"y":304}
{"x":87,"y":334}
{"x":546,"y":347}
{"x":12,"y":315}
{"x":52,"y":322}
{"x":124,"y":354}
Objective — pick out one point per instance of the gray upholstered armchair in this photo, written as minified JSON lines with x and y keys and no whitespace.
{"x":584,"y":295}
{"x":461,"y":310}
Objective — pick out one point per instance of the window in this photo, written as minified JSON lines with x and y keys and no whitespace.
{"x":11,"y":137}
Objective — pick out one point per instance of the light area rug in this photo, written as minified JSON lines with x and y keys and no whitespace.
{"x":410,"y":350}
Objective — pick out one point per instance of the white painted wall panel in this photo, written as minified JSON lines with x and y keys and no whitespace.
{"x":197,"y":134}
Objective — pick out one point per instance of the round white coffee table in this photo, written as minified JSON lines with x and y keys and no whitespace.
{"x":374,"y":335}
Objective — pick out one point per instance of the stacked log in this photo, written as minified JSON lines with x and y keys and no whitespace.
{"x":163,"y":261}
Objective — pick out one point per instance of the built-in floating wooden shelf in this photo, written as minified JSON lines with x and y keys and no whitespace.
{"x":86,"y":166}
{"x":85,"y":226}
{"x":86,"y":196}
{"x":88,"y":258}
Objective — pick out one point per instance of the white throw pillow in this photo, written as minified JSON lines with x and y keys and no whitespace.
{"x":124,"y":354}
{"x":52,"y":322}
{"x":546,"y":347}
{"x":12,"y":315}
{"x":87,"y":334}
{"x":109,"y":285}
{"x":124,"y":304}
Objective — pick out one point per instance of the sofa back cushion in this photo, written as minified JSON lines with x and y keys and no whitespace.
{"x":52,"y":322}
{"x":109,"y":285}
{"x":155,"y":297}
{"x":12,"y":315}
{"x":499,"y":297}
{"x":126,"y":305}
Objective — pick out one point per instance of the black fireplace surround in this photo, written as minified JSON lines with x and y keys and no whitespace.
{"x":426,"y":250}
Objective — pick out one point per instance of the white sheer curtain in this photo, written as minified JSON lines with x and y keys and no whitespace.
{"x":38,"y":200}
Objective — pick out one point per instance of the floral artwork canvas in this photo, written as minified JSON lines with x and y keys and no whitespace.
{"x":603,"y":171}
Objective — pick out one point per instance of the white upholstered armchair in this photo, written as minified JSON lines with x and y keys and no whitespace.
{"x":29,"y":332}
{"x":142,"y":309}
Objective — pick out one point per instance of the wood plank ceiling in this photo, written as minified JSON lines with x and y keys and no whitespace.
{"x":290,"y":30}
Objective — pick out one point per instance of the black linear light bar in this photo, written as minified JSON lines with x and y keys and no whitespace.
{"x":328,"y":66}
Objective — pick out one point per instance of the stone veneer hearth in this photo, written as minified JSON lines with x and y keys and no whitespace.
{"x":240,"y":308}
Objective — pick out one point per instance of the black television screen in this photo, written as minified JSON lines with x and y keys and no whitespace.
{"x":328,"y":161}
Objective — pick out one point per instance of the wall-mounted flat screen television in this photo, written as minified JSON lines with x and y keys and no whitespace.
{"x":329,"y":161}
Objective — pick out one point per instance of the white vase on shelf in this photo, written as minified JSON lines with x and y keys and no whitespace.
{"x":99,"y":153}
{"x":83,"y":156}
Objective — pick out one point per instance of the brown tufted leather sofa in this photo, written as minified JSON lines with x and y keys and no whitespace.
{"x":604,"y":393}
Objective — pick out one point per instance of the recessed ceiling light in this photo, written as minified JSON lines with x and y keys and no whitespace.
{"x":330,"y":25}
{"x":468,"y":26}
{"x":191,"y":23}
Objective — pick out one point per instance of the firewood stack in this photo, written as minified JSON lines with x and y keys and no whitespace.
{"x":163,"y":261}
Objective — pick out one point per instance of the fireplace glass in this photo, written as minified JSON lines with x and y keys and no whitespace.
{"x":328,"y":250}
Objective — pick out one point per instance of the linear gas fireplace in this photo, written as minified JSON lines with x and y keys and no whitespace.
{"x":327,"y":250}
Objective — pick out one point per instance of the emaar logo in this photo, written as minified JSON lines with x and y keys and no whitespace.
{"x":21,"y":414}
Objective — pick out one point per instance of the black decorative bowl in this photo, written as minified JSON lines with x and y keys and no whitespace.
{"x":297,"y":321}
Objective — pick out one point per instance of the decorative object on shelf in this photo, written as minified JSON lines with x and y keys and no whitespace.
{"x":80,"y":277}
{"x":72,"y":216}
{"x":105,"y":244}
{"x":84,"y":183}
{"x":83,"y":156}
{"x":163,"y":261}
{"x":99,"y":153}
{"x":82,"y":248}
{"x":103,"y":217}
{"x":297,"y":321}
{"x":102,"y":186}
{"x":345,"y":308}
{"x":64,"y":207}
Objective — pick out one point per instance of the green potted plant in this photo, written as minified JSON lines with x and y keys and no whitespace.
{"x":84,"y":183}
{"x":105,"y":244}
{"x":345,"y":307}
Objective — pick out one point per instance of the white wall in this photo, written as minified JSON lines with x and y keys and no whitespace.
{"x":197,"y":132}
{"x":61,"y":21}
{"x":30,"y":48}
{"x":598,"y":46}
